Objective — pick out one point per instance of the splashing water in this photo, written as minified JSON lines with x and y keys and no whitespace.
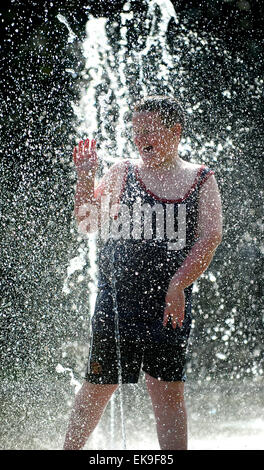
{"x":118,"y":350}
{"x":71,"y":36}
{"x":74,"y":383}
{"x":125,"y":59}
{"x":99,"y":55}
{"x":104,"y":110}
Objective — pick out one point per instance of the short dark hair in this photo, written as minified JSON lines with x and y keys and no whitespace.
{"x":169,"y":109}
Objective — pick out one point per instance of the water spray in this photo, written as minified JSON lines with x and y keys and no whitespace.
{"x":118,"y":348}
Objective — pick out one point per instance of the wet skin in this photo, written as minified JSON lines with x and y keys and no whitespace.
{"x":156,"y":143}
{"x":165,"y":170}
{"x":158,"y":148}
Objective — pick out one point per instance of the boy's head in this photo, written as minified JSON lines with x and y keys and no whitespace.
{"x":157,"y":127}
{"x":169,"y":109}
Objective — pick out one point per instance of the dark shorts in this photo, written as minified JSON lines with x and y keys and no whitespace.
{"x":139,"y":342}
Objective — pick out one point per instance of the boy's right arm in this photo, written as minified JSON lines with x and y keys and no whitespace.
{"x":86,"y":163}
{"x":87,"y":204}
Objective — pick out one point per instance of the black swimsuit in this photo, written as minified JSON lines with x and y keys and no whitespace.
{"x":136,"y":265}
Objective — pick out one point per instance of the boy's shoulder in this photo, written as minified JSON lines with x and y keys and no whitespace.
{"x":197,"y":169}
{"x":115,"y":168}
{"x":194,"y":166}
{"x":202,"y":174}
{"x":119,"y":166}
{"x":191,"y":170}
{"x":115,"y":174}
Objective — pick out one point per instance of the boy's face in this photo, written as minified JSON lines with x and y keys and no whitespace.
{"x":155,"y":142}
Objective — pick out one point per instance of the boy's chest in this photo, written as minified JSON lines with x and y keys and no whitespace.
{"x":175,"y":186}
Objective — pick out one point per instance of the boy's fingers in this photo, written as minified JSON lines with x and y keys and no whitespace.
{"x":86,"y":144}
{"x":180,"y":323}
{"x":80,"y":148}
{"x":174,"y":320}
{"x":83,"y":152}
{"x":166,"y":316}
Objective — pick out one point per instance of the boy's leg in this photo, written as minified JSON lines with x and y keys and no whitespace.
{"x":89,"y":405}
{"x":170,"y":413}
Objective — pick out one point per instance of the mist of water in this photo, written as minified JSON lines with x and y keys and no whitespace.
{"x":108,"y":96}
{"x":126,"y":59}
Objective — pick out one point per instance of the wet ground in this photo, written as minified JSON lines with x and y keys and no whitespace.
{"x":223,"y":415}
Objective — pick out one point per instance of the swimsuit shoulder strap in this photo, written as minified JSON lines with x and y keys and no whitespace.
{"x":130,"y":173}
{"x":203,"y":174}
{"x":127,"y":177}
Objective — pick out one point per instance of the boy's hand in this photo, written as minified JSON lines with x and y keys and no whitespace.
{"x":175,"y":306}
{"x":85,"y":157}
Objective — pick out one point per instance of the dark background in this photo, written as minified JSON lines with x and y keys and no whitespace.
{"x":40,"y":325}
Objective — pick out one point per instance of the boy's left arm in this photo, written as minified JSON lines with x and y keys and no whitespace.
{"x":200,"y":255}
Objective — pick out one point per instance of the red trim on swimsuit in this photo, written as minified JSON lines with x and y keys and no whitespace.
{"x":162,"y":199}
{"x":170,"y":200}
{"x":205,"y":178}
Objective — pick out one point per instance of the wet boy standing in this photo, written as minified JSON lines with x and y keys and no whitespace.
{"x":164,"y":225}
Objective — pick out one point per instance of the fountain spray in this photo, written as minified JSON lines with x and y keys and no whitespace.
{"x":118,"y":349}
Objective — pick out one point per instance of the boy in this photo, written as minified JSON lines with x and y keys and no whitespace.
{"x":160,"y":221}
